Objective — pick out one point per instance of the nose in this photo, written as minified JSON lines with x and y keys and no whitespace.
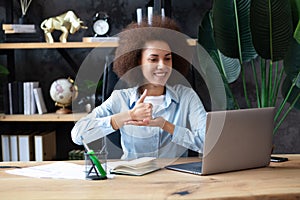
{"x":160,"y":64}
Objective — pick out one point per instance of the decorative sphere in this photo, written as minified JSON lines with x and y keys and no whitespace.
{"x":63,"y":91}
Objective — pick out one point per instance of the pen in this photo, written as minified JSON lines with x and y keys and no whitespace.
{"x":94,"y":159}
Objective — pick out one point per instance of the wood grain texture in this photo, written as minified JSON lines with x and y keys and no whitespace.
{"x":55,"y":45}
{"x":278,"y":181}
{"x":49,"y":117}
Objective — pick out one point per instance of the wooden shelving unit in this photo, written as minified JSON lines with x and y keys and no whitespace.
{"x":68,"y":45}
{"x":56,"y":45}
{"x":50,"y":117}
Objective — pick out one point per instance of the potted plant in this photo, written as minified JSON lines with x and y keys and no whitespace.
{"x":263,"y":35}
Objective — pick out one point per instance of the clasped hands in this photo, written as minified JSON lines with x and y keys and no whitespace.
{"x":140,"y":115}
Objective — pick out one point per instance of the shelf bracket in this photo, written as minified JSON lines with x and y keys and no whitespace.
{"x":73,"y":65}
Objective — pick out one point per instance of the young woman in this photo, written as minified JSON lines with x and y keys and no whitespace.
{"x":154,"y":118}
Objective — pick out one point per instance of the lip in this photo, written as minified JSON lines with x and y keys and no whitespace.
{"x":160,"y":74}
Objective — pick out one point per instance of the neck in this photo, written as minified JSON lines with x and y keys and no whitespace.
{"x":152,"y":90}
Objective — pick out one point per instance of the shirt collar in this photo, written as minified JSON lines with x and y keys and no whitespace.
{"x":170,"y":96}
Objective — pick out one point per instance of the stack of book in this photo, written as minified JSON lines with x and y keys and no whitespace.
{"x":23,"y":98}
{"x":21,"y":33}
{"x":29,"y":146}
{"x":18,"y":28}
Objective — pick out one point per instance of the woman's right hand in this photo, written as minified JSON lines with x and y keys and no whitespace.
{"x":141,"y":112}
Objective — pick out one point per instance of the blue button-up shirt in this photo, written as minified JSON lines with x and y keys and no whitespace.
{"x":182,"y":107}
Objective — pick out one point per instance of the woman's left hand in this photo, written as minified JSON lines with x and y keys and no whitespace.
{"x":156,"y":122}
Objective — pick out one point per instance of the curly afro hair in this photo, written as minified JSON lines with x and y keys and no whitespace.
{"x":133,"y":38}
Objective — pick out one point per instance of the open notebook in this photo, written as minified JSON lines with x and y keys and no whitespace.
{"x":234,"y":140}
{"x":136,"y":167}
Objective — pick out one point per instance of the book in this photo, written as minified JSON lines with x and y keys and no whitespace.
{"x":136,"y":167}
{"x":39,"y":99}
{"x":5,"y":148}
{"x":5,"y":99}
{"x":18,"y":28}
{"x":33,"y":108}
{"x":10,"y":98}
{"x":26,"y":148}
{"x":28,"y":97}
{"x":13,"y":31}
{"x":14,"y":149}
{"x":100,"y":39}
{"x":45,"y":146}
{"x":20,"y":97}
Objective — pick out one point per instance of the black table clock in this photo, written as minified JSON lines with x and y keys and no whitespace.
{"x":101,"y":25}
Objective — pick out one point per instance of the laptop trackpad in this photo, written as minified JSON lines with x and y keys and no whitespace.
{"x":193,"y":167}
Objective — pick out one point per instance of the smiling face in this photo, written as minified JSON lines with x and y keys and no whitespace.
{"x":156,"y":62}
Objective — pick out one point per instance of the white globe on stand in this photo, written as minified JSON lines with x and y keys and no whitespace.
{"x":63,"y":91}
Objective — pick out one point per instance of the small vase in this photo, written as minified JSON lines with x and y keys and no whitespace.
{"x":23,"y":19}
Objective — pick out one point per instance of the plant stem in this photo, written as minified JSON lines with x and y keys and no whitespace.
{"x":263,"y":83}
{"x":277,"y":86}
{"x":240,"y":54}
{"x":274,"y":85}
{"x":286,"y":113}
{"x":271,"y":30}
{"x":245,"y":86}
{"x":286,"y":98}
{"x":256,"y":84}
{"x":270,"y":83}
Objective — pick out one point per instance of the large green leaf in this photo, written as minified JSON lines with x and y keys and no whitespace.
{"x":232,"y":29}
{"x":205,"y":33}
{"x":292,"y":61}
{"x":297,"y":33}
{"x":230,"y":67}
{"x":295,"y":6}
{"x":271,"y":27}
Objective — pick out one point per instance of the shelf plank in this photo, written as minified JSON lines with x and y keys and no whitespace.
{"x":49,"y":117}
{"x":68,"y":45}
{"x":55,"y":45}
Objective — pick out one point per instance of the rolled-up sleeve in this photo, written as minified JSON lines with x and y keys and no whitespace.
{"x":192,"y":138}
{"x":95,"y":125}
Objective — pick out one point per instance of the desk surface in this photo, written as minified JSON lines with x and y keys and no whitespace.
{"x":278,"y":181}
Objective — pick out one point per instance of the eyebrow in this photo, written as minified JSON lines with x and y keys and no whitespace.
{"x":168,"y":54}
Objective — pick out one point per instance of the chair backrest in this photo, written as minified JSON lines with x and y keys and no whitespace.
{"x":110,"y":79}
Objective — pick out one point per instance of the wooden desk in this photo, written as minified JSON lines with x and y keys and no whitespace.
{"x":278,"y":181}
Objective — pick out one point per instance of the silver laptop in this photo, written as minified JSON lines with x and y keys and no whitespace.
{"x":235,"y":140}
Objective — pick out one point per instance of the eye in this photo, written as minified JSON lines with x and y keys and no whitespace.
{"x":152,"y":60}
{"x":168,"y":58}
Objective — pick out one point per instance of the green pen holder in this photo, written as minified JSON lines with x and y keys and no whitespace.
{"x":92,"y":171}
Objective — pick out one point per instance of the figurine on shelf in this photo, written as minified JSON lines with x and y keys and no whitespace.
{"x":67,"y":22}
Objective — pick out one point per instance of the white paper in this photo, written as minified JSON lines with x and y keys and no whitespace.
{"x":57,"y":170}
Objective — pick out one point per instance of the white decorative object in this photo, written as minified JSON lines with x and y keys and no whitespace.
{"x":163,"y":15}
{"x":139,"y":16}
{"x":150,"y":14}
